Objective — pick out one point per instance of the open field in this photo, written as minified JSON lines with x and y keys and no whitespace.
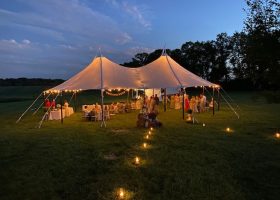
{"x":183,"y":161}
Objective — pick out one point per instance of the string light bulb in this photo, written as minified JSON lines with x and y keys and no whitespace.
{"x":203,"y":124}
{"x":147,"y":136}
{"x":150,"y":132}
{"x":151,"y":128}
{"x":228,"y":129}
{"x":277,"y":135}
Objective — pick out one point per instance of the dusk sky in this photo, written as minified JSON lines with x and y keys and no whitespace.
{"x":57,"y":38}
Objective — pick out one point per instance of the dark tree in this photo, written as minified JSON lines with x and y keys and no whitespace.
{"x":262,"y":52}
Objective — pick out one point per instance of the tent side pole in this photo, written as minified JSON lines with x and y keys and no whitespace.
{"x":165,"y":100}
{"x":75,"y":101}
{"x":29,"y":107}
{"x":219,"y":98}
{"x":203,"y":90}
{"x":61,"y":112}
{"x":183,"y":103}
{"x":213,"y":101}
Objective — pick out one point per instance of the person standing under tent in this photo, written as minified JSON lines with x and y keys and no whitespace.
{"x":202,"y":102}
{"x":53,"y":104}
{"x":156,"y":99}
{"x":172,"y":102}
{"x":177,"y":102}
{"x":187,"y":103}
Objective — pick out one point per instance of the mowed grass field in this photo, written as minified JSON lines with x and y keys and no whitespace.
{"x":182,"y":161}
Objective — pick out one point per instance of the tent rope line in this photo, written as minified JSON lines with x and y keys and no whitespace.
{"x":29,"y":107}
{"x":175,"y":75}
{"x":230,"y":107}
{"x":41,"y":104}
{"x":44,"y":116}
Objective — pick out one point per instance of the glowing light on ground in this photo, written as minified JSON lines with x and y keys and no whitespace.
{"x":145,"y":145}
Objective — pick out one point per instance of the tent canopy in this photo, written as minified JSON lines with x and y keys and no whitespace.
{"x":102,"y":73}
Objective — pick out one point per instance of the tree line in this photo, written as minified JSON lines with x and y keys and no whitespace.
{"x":29,"y":82}
{"x":250,"y":58}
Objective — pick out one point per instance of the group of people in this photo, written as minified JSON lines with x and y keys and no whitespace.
{"x":151,"y":104}
{"x":51,"y":103}
{"x":195,"y":103}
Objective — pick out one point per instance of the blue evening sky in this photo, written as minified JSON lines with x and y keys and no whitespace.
{"x":57,"y":38}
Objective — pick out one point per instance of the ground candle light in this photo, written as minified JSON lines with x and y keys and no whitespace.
{"x":137,"y":160}
{"x":121,"y":193}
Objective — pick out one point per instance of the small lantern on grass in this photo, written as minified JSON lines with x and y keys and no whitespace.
{"x":121,"y":193}
{"x":145,"y":145}
{"x":137,"y":160}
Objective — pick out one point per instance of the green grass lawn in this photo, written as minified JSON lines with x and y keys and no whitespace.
{"x":182,"y":161}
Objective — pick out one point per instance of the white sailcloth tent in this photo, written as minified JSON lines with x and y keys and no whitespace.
{"x":102,"y":73}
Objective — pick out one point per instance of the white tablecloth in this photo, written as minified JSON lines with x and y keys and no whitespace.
{"x":68,"y":111}
{"x":56,"y":114}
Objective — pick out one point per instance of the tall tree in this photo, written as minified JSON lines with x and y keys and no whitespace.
{"x":262,"y":53}
{"x":220,"y":71}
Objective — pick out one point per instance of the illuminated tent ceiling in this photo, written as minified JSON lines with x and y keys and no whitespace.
{"x":102,"y":73}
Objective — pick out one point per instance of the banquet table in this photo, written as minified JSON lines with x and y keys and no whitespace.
{"x":56,"y":114}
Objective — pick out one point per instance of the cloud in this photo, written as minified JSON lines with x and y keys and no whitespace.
{"x":137,"y":14}
{"x":135,"y":11}
{"x":63,"y":17}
